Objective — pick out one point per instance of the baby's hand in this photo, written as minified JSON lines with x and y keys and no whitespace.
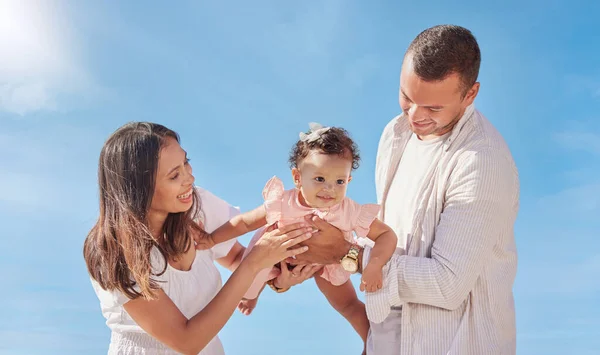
{"x":372,"y":278}
{"x":204,"y":242}
{"x":246,"y":306}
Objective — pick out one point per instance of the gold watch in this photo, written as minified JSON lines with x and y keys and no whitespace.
{"x":350,"y":260}
{"x":271,"y":284}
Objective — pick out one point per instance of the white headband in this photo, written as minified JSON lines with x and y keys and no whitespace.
{"x":316,"y":130}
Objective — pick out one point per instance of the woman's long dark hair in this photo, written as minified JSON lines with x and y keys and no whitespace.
{"x":117,"y":249}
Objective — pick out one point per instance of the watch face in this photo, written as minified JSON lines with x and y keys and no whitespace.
{"x":349,"y":265}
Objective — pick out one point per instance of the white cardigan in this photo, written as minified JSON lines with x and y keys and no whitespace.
{"x":454,"y":284}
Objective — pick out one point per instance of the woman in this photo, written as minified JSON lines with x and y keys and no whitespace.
{"x":157,"y":292}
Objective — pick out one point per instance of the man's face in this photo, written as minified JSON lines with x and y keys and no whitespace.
{"x":432,"y":108}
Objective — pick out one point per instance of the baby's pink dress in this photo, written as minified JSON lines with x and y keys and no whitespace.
{"x":284,"y":207}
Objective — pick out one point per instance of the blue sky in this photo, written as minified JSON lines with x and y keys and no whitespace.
{"x":238,"y":81}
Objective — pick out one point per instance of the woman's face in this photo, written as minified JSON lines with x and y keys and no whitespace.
{"x":174,"y":180}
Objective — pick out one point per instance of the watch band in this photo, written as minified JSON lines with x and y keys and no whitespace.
{"x":271,"y":284}
{"x":353,"y":252}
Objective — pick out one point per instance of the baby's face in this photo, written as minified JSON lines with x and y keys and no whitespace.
{"x":322,"y":179}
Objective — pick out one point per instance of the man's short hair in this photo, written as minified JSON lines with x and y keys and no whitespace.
{"x":443,"y":50}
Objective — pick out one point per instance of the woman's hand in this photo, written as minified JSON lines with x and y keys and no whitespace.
{"x":297,"y":275}
{"x":277,"y":244}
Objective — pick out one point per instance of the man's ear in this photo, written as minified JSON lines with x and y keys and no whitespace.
{"x":471,"y":94}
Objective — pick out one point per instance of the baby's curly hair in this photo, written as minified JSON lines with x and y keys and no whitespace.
{"x":335,"y":141}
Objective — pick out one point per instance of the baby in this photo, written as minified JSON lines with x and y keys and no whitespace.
{"x":322,"y":161}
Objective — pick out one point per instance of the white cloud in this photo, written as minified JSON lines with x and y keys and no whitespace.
{"x":563,"y":277}
{"x":581,"y":176}
{"x":41,"y":171}
{"x":562,"y":334}
{"x":313,"y":29}
{"x":582,"y":199}
{"x":580,"y":140}
{"x":587,"y":85}
{"x":578,"y":202}
{"x":49,"y":340}
{"x":26,"y":97}
{"x":360,"y":70}
{"x":300,"y":44}
{"x":38,"y":58}
{"x":16,"y":190}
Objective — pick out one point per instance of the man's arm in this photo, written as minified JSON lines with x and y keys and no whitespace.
{"x":481,"y":202}
{"x":327,"y":245}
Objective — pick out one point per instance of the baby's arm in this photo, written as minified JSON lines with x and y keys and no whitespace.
{"x":240,"y":225}
{"x":235,"y":227}
{"x":385,"y":244}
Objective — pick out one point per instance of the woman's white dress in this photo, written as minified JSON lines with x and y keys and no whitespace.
{"x":190,"y":290}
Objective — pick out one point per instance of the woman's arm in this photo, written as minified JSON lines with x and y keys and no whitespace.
{"x":162,"y":319}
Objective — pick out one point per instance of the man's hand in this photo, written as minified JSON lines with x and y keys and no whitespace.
{"x":297,"y":275}
{"x":327,"y":245}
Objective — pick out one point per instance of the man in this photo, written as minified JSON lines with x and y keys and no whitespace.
{"x":449,"y":188}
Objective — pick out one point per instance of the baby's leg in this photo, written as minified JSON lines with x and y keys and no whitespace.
{"x":343,"y":299}
{"x":263,"y":276}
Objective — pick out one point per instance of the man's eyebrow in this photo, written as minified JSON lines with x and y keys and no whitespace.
{"x":404,"y":94}
{"x":435,"y":107}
